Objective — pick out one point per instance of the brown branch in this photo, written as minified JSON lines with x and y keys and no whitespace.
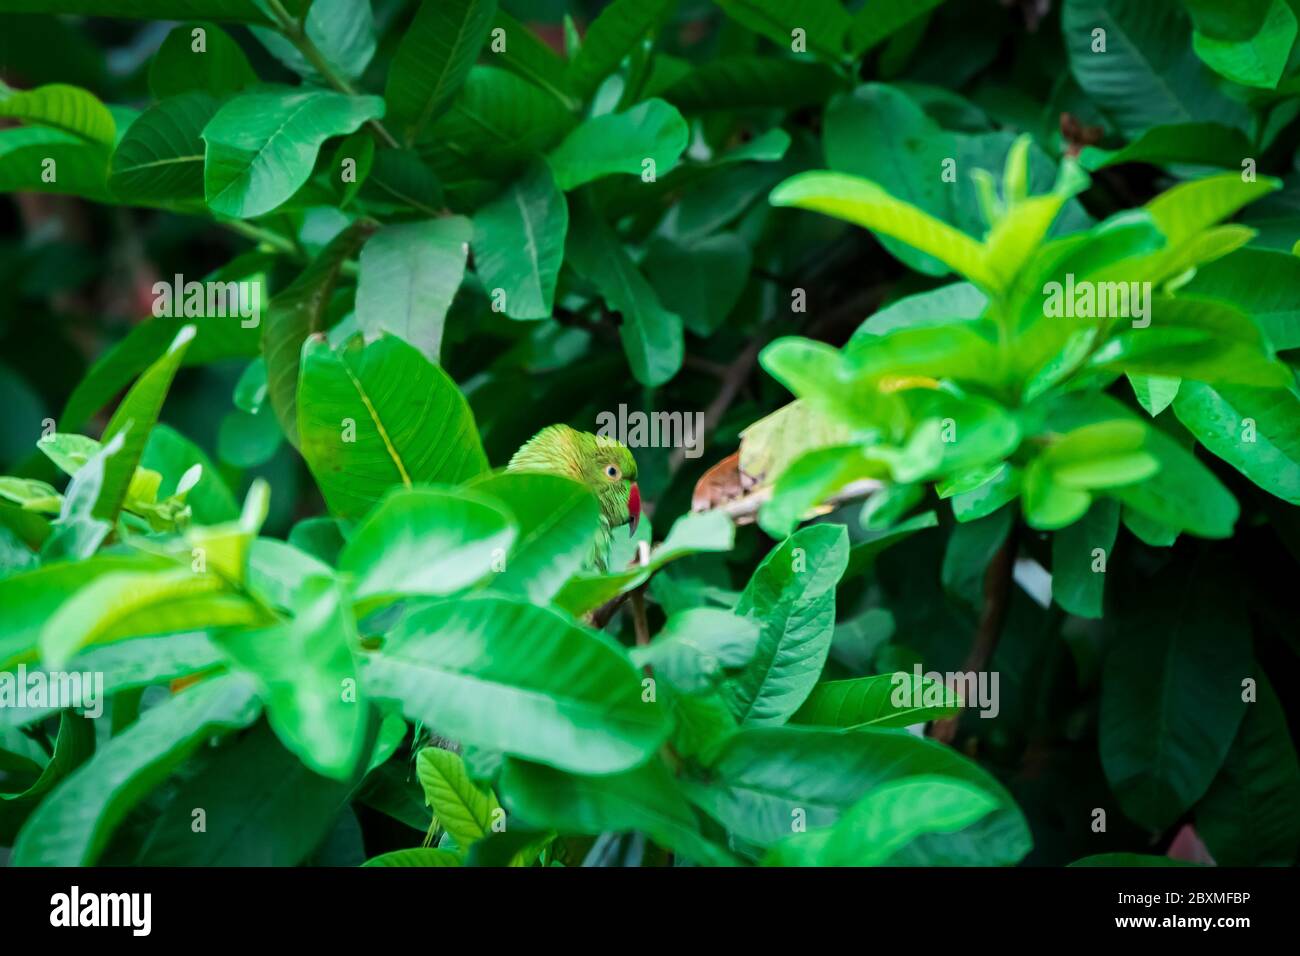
{"x":997,"y":593}
{"x":733,"y":377}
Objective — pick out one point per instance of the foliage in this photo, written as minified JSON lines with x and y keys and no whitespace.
{"x":972,"y":325}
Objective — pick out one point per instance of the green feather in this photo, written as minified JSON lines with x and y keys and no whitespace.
{"x":586,"y":458}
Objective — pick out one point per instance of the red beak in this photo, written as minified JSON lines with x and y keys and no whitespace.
{"x":633,"y":509}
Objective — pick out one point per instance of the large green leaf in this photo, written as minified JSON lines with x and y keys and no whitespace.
{"x":1256,"y":430}
{"x":883,"y":700}
{"x":307,"y":677}
{"x":343,"y":33}
{"x":611,"y":36}
{"x":409,"y":275}
{"x":651,"y":335}
{"x":262,"y":145}
{"x":160,"y":156}
{"x":696,"y":645}
{"x":766,"y":782}
{"x":646,"y":141}
{"x":864,"y":203}
{"x":297,"y":312}
{"x":1251,"y":814}
{"x":690,"y":534}
{"x":886,"y":820}
{"x":73,"y":824}
{"x":557,"y":521}
{"x":700,"y":279}
{"x":1257,"y":60}
{"x":499,"y":673}
{"x":519,"y":244}
{"x":63,"y":107}
{"x":823,"y":22}
{"x":792,"y":597}
{"x":1262,"y":283}
{"x":262,"y":807}
{"x":133,"y":420}
{"x":37,"y":159}
{"x":238,"y":11}
{"x":1081,"y":555}
{"x":646,"y":799}
{"x":427,"y":541}
{"x":376,"y":415}
{"x":1171,"y":697}
{"x":208,"y":62}
{"x":433,"y":60}
{"x":1147,"y":74}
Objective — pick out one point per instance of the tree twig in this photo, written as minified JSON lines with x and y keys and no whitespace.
{"x":997,"y":591}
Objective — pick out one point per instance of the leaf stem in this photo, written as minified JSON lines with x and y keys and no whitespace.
{"x":295,"y":34}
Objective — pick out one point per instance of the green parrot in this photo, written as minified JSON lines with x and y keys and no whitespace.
{"x":601,"y":464}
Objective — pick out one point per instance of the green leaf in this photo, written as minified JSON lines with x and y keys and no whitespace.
{"x":1148,"y":75}
{"x":700,"y":279}
{"x":1171,"y":698}
{"x":375,"y":415}
{"x":1261,"y":283}
{"x":646,"y":140}
{"x":886,"y":820}
{"x":1258,"y":60}
{"x":62,"y":107}
{"x":883,"y":700}
{"x":519,"y":244}
{"x":307,"y":677}
{"x":611,"y":36}
{"x":792,"y":597}
{"x":1078,"y":570}
{"x":133,"y":420}
{"x":863,"y":203}
{"x":646,"y":800}
{"x":1249,"y":816}
{"x":434,"y":59}
{"x":218,"y":68}
{"x":343,"y":32}
{"x":409,"y":275}
{"x":502,"y":674}
{"x":494,"y":128}
{"x":73,"y":824}
{"x":824,"y":22}
{"x":711,"y":531}
{"x":696,"y":645}
{"x":418,"y":856}
{"x":160,"y":156}
{"x":1211,"y":144}
{"x":32,"y":597}
{"x":882,"y":19}
{"x":464,"y":810}
{"x":1155,"y":393}
{"x":1184,"y":495}
{"x":764,"y":780}
{"x":1129,"y":859}
{"x":298,"y":312}
{"x":262,"y":145}
{"x":35,"y":159}
{"x":427,"y":541}
{"x":557,"y":520}
{"x":237,"y":11}
{"x":263,"y":808}
{"x":529,"y":57}
{"x":746,"y":82}
{"x":651,"y":335}
{"x":1256,"y":430}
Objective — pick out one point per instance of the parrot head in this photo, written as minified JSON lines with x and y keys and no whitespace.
{"x":606,"y":467}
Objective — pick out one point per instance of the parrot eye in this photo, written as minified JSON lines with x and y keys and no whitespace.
{"x":612,"y":472}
